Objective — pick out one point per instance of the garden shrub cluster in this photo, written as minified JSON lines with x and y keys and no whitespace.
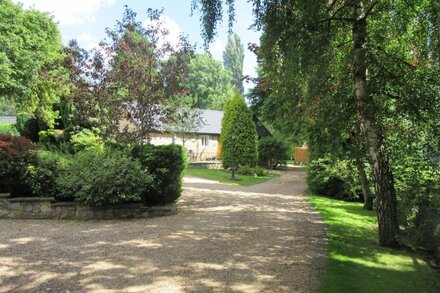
{"x":94,"y":173}
{"x":272,"y":152}
{"x":103,"y":176}
{"x":336,"y":179}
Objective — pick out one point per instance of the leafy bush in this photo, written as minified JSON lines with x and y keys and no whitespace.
{"x":272,"y":152}
{"x":7,"y":128}
{"x":245,"y":170}
{"x":30,"y":127}
{"x":103,"y":176}
{"x":252,"y":171}
{"x":260,"y":172}
{"x":166,"y":163}
{"x":334,"y":179}
{"x":42,"y":175}
{"x":16,"y":153}
{"x":239,"y":134}
{"x":418,"y":189}
{"x":85,"y":139}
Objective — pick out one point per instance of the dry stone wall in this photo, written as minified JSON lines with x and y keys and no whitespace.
{"x":48,"y":208}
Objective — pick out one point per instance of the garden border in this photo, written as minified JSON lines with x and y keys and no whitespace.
{"x":49,"y":208}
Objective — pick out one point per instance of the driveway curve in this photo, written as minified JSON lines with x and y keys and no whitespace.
{"x":260,"y":238}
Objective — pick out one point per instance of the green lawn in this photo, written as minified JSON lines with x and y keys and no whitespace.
{"x":356,"y":263}
{"x":7,"y":128}
{"x":223,"y":176}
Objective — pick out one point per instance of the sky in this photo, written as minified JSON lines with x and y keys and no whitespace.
{"x":86,"y":20}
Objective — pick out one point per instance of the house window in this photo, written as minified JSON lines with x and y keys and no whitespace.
{"x":205,"y":140}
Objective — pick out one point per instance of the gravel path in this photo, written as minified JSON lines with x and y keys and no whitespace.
{"x":262,"y":238}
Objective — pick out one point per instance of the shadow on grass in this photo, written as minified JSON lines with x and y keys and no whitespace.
{"x":356,"y":262}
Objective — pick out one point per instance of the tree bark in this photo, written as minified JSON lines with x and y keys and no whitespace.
{"x":383,"y":177}
{"x":368,"y":199}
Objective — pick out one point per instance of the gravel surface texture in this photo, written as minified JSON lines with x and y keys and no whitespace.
{"x":260,"y":238}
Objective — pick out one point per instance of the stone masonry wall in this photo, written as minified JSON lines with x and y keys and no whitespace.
{"x":48,"y":208}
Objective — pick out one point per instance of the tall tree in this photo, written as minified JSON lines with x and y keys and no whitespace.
{"x":233,"y":57}
{"x":209,"y":83}
{"x":385,"y":44}
{"x":31,"y":77}
{"x":134,"y":70}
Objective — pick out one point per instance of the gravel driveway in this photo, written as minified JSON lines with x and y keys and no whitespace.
{"x":262,"y":238}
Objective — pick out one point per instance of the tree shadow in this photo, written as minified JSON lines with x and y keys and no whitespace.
{"x":221,"y":241}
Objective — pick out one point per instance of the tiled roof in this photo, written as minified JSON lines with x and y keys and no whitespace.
{"x":211,"y":122}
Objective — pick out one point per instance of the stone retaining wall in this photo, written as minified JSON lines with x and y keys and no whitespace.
{"x":48,"y":208}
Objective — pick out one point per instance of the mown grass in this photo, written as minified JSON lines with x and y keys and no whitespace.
{"x":8,"y":128}
{"x":356,"y":263}
{"x":223,"y":176}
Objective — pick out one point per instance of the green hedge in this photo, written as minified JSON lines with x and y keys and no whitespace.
{"x":166,"y":163}
{"x":96,"y":175}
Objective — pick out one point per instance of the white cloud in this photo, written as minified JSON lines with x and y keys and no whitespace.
{"x":68,"y":12}
{"x":174,"y":30}
{"x":217,"y":46}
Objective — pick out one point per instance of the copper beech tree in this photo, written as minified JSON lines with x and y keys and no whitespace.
{"x":132,"y":76}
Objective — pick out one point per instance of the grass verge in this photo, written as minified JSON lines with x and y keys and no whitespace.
{"x":223,"y":176}
{"x":356,"y":263}
{"x":7,"y":128}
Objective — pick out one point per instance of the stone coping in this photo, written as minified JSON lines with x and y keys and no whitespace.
{"x":48,"y":208}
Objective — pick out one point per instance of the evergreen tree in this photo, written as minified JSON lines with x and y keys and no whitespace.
{"x":233,"y":57}
{"x":239,"y":135}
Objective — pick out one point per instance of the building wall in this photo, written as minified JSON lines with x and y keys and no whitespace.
{"x":193,"y":143}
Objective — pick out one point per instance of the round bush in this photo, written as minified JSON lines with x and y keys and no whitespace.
{"x":103,"y":176}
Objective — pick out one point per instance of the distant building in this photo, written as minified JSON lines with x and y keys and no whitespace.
{"x":203,"y":143}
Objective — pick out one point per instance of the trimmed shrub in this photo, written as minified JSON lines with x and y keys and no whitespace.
{"x":103,"y":176}
{"x":239,"y":134}
{"x":166,"y":163}
{"x":334,"y":179}
{"x":42,"y":176}
{"x":16,"y":152}
{"x":272,"y":152}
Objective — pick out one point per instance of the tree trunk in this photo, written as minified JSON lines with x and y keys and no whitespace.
{"x":368,"y":199}
{"x":383,"y":177}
